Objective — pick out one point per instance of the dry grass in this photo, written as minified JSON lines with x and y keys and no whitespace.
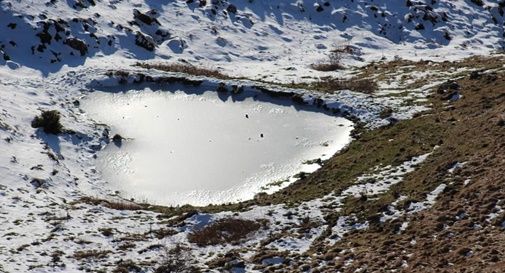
{"x":331,"y":84}
{"x":325,"y":67}
{"x":185,"y":68}
{"x":117,"y":205}
{"x":335,"y":57}
{"x":230,"y":230}
{"x":91,"y":254}
{"x":467,"y":130}
{"x":334,"y":62}
{"x":177,"y":259}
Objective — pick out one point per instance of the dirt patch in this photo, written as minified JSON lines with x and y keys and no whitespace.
{"x":223,"y":231}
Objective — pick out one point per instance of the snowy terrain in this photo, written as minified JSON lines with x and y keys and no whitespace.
{"x":53,"y":52}
{"x":273,"y":40}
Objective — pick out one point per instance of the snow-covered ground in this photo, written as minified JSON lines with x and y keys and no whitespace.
{"x":54,"y":52}
{"x":202,"y":149}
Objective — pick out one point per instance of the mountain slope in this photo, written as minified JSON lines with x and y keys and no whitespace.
{"x":259,"y":36}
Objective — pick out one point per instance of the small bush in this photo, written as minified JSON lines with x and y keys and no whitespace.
{"x":178,"y":259}
{"x":326,"y":67}
{"x":335,"y":58}
{"x":228,"y":230}
{"x":334,"y":63}
{"x":49,"y":121}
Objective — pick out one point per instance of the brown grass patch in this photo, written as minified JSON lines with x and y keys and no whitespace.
{"x":90,"y":254}
{"x":230,"y":230}
{"x":186,"y":68}
{"x":331,"y":84}
{"x":466,"y":130}
{"x":326,"y":67}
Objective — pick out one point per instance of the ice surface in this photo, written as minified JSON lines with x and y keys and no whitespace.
{"x":199,"y":149}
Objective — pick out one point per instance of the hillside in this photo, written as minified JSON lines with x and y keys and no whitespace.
{"x":418,"y":189}
{"x":260,"y":37}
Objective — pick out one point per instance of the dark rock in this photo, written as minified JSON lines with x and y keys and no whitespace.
{"x":222,"y":87}
{"x":475,"y":75}
{"x":117,"y":139}
{"x":38,"y":183}
{"x":45,"y":37}
{"x":231,"y":8}
{"x":448,"y":86}
{"x":235,"y":89}
{"x":453,"y":96}
{"x":392,"y":120}
{"x":144,"y":18}
{"x":78,"y":45}
{"x":144,"y":41}
{"x":83,"y":4}
{"x":297,"y":98}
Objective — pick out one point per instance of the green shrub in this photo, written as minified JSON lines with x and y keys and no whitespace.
{"x":49,"y":121}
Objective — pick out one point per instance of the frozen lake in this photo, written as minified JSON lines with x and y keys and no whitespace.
{"x":202,"y":149}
